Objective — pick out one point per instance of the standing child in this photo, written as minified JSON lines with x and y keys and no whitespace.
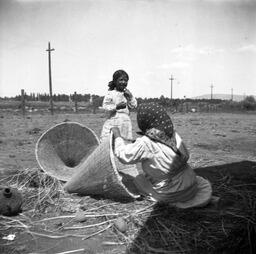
{"x":167,"y":177}
{"x":117,"y":103}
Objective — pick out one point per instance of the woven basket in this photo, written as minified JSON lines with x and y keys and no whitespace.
{"x":102,"y":174}
{"x":62,"y":148}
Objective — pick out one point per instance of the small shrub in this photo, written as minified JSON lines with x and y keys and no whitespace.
{"x":249,"y":103}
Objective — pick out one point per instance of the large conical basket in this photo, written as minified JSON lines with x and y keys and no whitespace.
{"x":102,"y":174}
{"x":62,"y":148}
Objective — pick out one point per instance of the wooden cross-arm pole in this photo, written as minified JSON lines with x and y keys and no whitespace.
{"x":50,"y":75}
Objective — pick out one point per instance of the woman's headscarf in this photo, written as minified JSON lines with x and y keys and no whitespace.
{"x":154,"y":122}
{"x":117,"y":74}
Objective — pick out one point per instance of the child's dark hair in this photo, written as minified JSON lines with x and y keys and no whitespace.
{"x":117,"y":74}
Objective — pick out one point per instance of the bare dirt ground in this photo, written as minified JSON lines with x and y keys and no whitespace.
{"x":214,"y":140}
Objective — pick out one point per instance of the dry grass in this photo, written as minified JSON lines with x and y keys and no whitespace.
{"x":206,"y":230}
{"x":38,"y":188}
{"x":229,"y":227}
{"x":152,"y":228}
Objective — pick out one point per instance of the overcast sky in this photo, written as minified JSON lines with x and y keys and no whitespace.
{"x":200,"y":43}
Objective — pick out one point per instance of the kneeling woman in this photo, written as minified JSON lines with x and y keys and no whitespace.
{"x":167,"y":177}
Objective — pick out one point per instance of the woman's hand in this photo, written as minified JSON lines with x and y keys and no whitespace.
{"x":121,"y":105}
{"x":116,"y":132}
{"x":127,"y":94}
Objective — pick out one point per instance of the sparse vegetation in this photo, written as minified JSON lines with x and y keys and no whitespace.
{"x":88,"y":102}
{"x":249,"y":103}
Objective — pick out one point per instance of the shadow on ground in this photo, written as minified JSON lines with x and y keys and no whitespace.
{"x":229,"y":227}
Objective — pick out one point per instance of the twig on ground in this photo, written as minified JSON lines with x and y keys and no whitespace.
{"x":70,"y":251}
{"x":98,"y":232}
{"x":140,"y":211}
{"x":53,"y":236}
{"x":55,"y":218}
{"x":73,"y":216}
{"x":99,"y":207}
{"x":15,"y":220}
{"x":88,"y":226}
{"x":111,"y":243}
{"x":222,"y":225}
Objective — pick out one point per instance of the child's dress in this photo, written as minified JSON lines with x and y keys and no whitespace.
{"x":117,"y":118}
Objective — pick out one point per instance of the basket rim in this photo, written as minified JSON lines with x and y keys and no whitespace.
{"x":54,"y":126}
{"x":112,"y":159}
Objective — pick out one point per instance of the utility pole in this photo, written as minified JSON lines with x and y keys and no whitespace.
{"x":231,"y":94}
{"x":171,"y":85}
{"x":75,"y":99}
{"x":23,"y":102}
{"x":50,"y":75}
{"x":211,"y":90}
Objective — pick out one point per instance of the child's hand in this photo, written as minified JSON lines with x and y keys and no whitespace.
{"x":121,"y":105}
{"x":127,"y":94}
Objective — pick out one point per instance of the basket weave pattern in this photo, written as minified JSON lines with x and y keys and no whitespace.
{"x":62,"y":148}
{"x":99,"y":175}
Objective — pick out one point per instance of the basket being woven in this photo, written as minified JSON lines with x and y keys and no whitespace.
{"x":62,"y":148}
{"x":102,"y":174}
